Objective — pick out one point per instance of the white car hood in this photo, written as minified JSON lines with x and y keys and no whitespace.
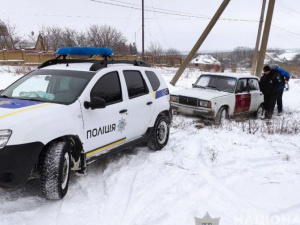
{"x":204,"y":94}
{"x":13,"y":111}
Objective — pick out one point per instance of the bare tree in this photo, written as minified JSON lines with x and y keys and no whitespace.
{"x":155,"y":49}
{"x":173,"y":55}
{"x":173,"y":52}
{"x":107,"y":37}
{"x":53,"y":36}
{"x":82,"y":39}
{"x":69,"y":37}
{"x":133,"y":49}
{"x":8,"y":35}
{"x":242,"y":54}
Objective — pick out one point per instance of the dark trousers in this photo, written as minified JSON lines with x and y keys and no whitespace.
{"x":269,"y":104}
{"x":279,"y":100}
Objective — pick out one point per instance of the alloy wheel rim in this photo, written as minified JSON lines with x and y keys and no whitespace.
{"x":162,"y":132}
{"x":65,"y":171}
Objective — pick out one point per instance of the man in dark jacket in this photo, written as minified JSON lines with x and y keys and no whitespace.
{"x":285,"y":76}
{"x":269,"y":85}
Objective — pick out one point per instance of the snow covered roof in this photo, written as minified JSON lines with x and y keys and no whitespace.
{"x":205,"y":59}
{"x":274,"y":57}
{"x":289,"y":56}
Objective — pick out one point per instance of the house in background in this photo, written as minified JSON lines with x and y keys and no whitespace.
{"x":206,"y":63}
{"x":30,"y":44}
{"x":272,"y":58}
{"x":290,"y":56}
{"x":5,"y":41}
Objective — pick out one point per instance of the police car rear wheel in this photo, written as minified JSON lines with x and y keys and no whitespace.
{"x":159,"y":135}
{"x":55,"y":171}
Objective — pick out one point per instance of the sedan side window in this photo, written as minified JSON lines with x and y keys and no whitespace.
{"x":241,"y":86}
{"x":253,"y":85}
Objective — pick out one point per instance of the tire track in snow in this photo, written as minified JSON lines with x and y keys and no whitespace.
{"x":119,"y":180}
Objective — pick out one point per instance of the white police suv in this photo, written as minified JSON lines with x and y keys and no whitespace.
{"x":67,"y":112}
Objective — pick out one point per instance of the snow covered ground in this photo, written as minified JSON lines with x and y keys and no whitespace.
{"x":238,"y":172}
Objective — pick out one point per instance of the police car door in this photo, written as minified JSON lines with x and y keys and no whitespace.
{"x":242,"y":97}
{"x":105,"y":128}
{"x":140,"y":103}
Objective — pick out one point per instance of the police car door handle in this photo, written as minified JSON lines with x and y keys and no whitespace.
{"x":149,"y":103}
{"x":123,"y":111}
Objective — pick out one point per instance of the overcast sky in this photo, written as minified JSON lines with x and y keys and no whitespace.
{"x":170,"y":23}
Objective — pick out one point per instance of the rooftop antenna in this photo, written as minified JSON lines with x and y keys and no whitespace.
{"x":143,"y":32}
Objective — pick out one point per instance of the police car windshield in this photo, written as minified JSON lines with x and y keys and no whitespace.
{"x":57,"y":86}
{"x":215,"y":82}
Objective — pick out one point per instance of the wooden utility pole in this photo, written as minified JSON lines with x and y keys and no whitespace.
{"x":262,"y":15}
{"x":199,"y":42}
{"x":143,"y":31}
{"x":265,"y":38}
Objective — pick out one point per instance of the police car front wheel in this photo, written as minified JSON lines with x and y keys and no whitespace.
{"x":55,"y":171}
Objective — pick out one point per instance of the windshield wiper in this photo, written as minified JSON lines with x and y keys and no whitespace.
{"x":214,"y":87}
{"x":197,"y":86}
{"x":4,"y":96}
{"x":34,"y":99}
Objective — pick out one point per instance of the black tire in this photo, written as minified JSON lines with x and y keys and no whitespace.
{"x":260,"y":112}
{"x":159,"y":134}
{"x":55,"y":170}
{"x":222,"y":115}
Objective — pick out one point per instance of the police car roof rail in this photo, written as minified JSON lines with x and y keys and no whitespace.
{"x":103,"y":63}
{"x":97,"y":64}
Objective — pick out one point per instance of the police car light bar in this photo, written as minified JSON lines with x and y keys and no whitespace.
{"x":87,"y":51}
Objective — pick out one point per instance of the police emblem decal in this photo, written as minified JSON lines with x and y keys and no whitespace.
{"x":121,"y":125}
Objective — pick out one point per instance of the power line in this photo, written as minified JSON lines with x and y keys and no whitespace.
{"x":286,"y":31}
{"x":283,"y":36}
{"x":162,"y":33}
{"x":56,"y":15}
{"x":174,"y":13}
{"x":288,"y":7}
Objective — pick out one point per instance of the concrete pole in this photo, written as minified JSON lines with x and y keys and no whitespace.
{"x":143,"y":31}
{"x":199,"y":42}
{"x":265,"y":38}
{"x":262,"y":15}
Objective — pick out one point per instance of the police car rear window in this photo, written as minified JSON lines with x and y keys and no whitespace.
{"x":154,"y":81}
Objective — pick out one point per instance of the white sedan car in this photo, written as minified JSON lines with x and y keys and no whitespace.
{"x":219,"y":96}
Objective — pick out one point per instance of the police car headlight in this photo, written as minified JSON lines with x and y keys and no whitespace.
{"x":205,"y":104}
{"x":4,"y":137}
{"x":174,"y":98}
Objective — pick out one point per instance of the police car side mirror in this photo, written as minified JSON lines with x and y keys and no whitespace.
{"x":95,"y":103}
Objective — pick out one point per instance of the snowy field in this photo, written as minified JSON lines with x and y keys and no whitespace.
{"x":245,"y":172}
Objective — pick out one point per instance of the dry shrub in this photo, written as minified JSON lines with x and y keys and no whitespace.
{"x":24,"y":69}
{"x":274,"y":126}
